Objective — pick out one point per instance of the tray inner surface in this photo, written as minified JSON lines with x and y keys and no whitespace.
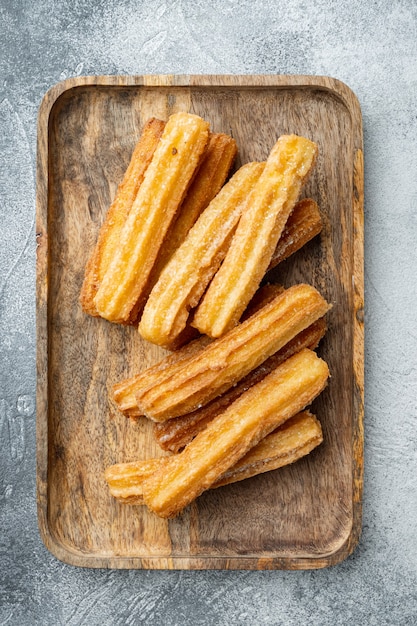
{"x":304,"y":510}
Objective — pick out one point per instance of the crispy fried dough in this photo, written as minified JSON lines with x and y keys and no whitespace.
{"x":123,"y":393}
{"x":109,"y":235}
{"x":187,"y":274}
{"x":227,"y":360}
{"x":295,"y":438}
{"x":210,"y":178}
{"x":175,"y":434}
{"x":303,"y":224}
{"x":125,"y":479}
{"x":280,"y":395}
{"x":256,"y":237}
{"x":166,"y":181}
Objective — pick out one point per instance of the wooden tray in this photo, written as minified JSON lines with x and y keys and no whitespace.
{"x":307,"y":515}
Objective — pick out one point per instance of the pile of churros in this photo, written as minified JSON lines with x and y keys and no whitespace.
{"x":181,"y":257}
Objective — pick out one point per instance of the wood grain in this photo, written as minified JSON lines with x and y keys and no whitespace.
{"x":307,"y":515}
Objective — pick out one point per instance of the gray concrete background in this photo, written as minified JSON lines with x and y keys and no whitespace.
{"x":372,"y":46}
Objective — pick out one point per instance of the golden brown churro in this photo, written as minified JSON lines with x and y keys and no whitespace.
{"x":207,"y":182}
{"x":256,"y":237}
{"x":192,"y":266}
{"x":124,"y":392}
{"x":166,"y":181}
{"x":303,"y":224}
{"x":211,"y":176}
{"x":280,"y":395}
{"x":228,"y":359}
{"x":175,"y":434}
{"x":109,"y":235}
{"x":295,"y":438}
{"x":125,"y":479}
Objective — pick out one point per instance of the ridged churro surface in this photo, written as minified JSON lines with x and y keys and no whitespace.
{"x":176,"y":433}
{"x":279,"y":396}
{"x":190,"y":269}
{"x":166,"y":181}
{"x":228,"y":359}
{"x":109,"y":235}
{"x":295,"y":438}
{"x":211,"y":176}
{"x":303,"y":224}
{"x":123,"y":393}
{"x":272,"y":200}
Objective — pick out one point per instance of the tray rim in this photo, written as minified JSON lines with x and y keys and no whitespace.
{"x":198,"y":562}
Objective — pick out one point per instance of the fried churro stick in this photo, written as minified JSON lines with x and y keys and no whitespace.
{"x":280,"y":395}
{"x":247,"y":259}
{"x":222,"y":363}
{"x":175,"y":434}
{"x":123,"y":393}
{"x":211,"y":176}
{"x":228,"y":359}
{"x":295,"y":438}
{"x":192,"y":266}
{"x":166,"y":181}
{"x":125,"y":479}
{"x":303,"y":224}
{"x":109,"y":235}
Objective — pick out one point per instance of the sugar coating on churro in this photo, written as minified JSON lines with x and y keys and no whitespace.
{"x":123,"y":393}
{"x":295,"y":438}
{"x":166,"y":181}
{"x":228,"y":359}
{"x":303,"y":224}
{"x":190,"y":269}
{"x":287,"y":390}
{"x":109,"y":235}
{"x":176,"y":433}
{"x":210,"y":178}
{"x":257,"y":235}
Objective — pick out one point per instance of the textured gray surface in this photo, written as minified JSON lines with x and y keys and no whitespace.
{"x":372,"y":46}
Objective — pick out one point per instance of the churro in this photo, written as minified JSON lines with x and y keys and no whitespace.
{"x":211,"y":176}
{"x":256,"y":237}
{"x":123,"y":393}
{"x":187,"y":274}
{"x":175,"y":434}
{"x":166,"y":181}
{"x":295,"y":438}
{"x":303,"y":224}
{"x":109,"y":235}
{"x":280,"y":395}
{"x":225,"y":361}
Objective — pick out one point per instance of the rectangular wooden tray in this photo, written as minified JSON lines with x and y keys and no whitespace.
{"x":306,"y":515}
